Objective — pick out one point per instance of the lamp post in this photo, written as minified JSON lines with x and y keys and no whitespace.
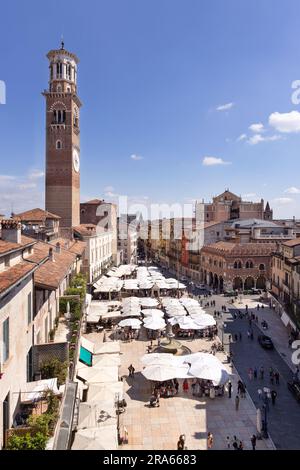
{"x":117,"y":406}
{"x":265,"y":419}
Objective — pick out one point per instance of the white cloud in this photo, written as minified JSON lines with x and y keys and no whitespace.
{"x":285,"y":122}
{"x":110,"y":194}
{"x":6,"y":178}
{"x":213,"y":161}
{"x":225,"y":107}
{"x":257,"y":138}
{"x":109,"y":188}
{"x":136,"y":157}
{"x":292,"y":190}
{"x":257,"y":128}
{"x":35,"y":174}
{"x":24,"y":186}
{"x":245,"y":196}
{"x":283,"y":200}
{"x":241,"y":137}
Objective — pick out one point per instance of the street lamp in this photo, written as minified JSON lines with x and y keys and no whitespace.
{"x":118,"y":411}
{"x":265,"y":421}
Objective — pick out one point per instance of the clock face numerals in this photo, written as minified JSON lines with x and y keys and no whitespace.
{"x":76,"y":161}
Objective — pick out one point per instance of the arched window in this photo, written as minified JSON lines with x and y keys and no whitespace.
{"x":59,"y":70}
{"x":59,"y":116}
{"x":237,"y":264}
{"x":261,"y":267}
{"x":68,"y":71}
{"x":249,"y":264}
{"x":68,"y":89}
{"x":58,"y":144}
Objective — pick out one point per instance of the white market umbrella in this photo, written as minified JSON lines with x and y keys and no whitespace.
{"x":156,"y":323}
{"x":160,"y":373}
{"x":186,"y":323}
{"x":209,"y":367}
{"x":131,"y":322}
{"x":204,"y":320}
{"x":149,"y":302}
{"x":96,"y":438}
{"x":154,"y":312}
{"x":157,"y":359}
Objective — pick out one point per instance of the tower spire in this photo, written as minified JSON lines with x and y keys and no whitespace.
{"x":62,"y":42}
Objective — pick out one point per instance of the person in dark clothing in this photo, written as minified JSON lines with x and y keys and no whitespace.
{"x":181,"y":442}
{"x":240,"y":336}
{"x":253,"y":441}
{"x":229,"y":389}
{"x":273,"y":396}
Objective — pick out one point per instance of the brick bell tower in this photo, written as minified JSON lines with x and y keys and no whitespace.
{"x":62,"y":138}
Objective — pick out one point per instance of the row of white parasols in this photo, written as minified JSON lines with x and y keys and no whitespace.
{"x":163,"y":366}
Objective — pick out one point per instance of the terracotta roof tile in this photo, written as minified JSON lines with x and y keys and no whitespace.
{"x":85,"y":229}
{"x":291,"y":243}
{"x":51,"y":273}
{"x":14,"y":274}
{"x":241,"y":248}
{"x":36,"y":215}
{"x":6,"y":246}
{"x":74,"y":246}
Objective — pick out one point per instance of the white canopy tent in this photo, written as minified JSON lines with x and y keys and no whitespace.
{"x":95,"y":375}
{"x":96,"y":439}
{"x":162,"y":372}
{"x":131,"y":322}
{"x":156,"y":323}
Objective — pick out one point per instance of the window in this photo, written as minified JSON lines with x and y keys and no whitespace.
{"x":29,"y":308}
{"x":58,"y":144}
{"x":5,"y":335}
{"x":262,"y":267}
{"x":68,"y":71}
{"x":58,"y":70}
{"x":58,"y":88}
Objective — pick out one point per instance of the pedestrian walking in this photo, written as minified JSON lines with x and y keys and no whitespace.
{"x":248,"y":334}
{"x":255,"y":373}
{"x":237,"y":402}
{"x":261,"y":372}
{"x":185,"y":386}
{"x":228,"y":442}
{"x":253,"y":441}
{"x":251,"y":335}
{"x":277,"y":377}
{"x":240,"y":336}
{"x":235,"y":443}
{"x":210,"y":440}
{"x":250,"y":373}
{"x":229,"y":389}
{"x":131,"y":370}
{"x":241,"y":445}
{"x":235,"y":337}
{"x":181,"y":442}
{"x":273,"y":396}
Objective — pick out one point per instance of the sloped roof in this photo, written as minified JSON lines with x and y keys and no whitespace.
{"x":36,"y":215}
{"x":254,"y":249}
{"x":7,"y":246}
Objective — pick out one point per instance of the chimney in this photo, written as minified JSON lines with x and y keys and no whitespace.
{"x":11,"y":230}
{"x":57,"y":247}
{"x":51,"y":254}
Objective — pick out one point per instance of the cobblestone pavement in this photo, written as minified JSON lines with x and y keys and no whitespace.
{"x":159,"y":428}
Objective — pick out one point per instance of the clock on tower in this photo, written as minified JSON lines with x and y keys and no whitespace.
{"x":62,"y":138}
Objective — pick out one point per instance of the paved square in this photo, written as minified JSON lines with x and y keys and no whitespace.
{"x":159,"y":428}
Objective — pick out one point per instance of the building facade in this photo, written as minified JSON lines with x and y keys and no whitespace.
{"x":229,"y":206}
{"x":286,"y":276}
{"x":235,"y":266}
{"x":98,"y":255}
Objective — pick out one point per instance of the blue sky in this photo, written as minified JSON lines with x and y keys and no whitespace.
{"x":152,"y":76}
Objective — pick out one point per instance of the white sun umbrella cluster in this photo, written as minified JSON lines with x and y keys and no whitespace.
{"x":153,"y":312}
{"x":188,"y":302}
{"x":131,"y":322}
{"x":131,"y":284}
{"x":174,"y":308}
{"x":205,"y":366}
{"x":185,"y":323}
{"x":122,"y":270}
{"x":148,"y":302}
{"x":154,"y":323}
{"x":131,"y":307}
{"x":108,"y":284}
